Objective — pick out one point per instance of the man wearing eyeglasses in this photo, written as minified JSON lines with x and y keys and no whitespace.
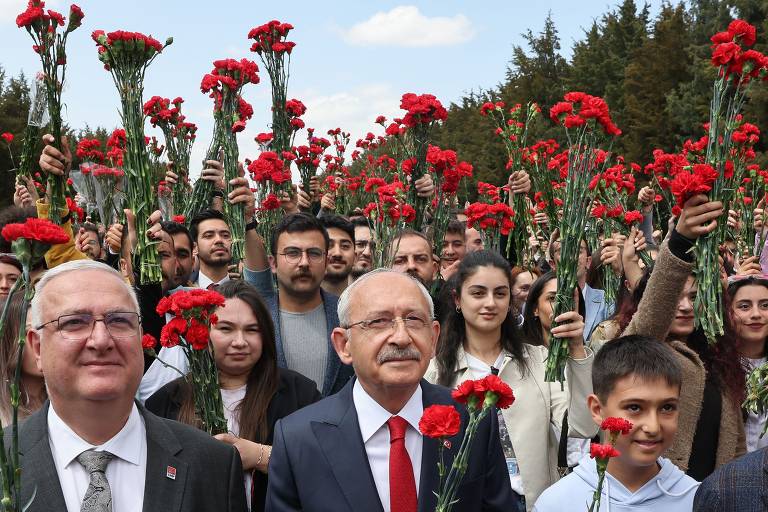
{"x":303,"y":313}
{"x":361,"y":448}
{"x":364,"y":246}
{"x":92,"y":447}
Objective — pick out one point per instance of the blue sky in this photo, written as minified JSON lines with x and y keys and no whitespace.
{"x":352,"y":61}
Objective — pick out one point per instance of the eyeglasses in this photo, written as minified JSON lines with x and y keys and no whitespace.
{"x":362,"y":244}
{"x":293,"y":254}
{"x":78,"y":326}
{"x":384,"y":324}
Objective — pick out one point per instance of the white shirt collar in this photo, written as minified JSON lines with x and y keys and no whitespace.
{"x":203,"y":281}
{"x":371,"y":416}
{"x":67,"y":445}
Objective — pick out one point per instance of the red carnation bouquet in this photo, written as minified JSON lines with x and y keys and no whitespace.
{"x":512,"y":129}
{"x":309,"y":156}
{"x":179,"y":137}
{"x":602,"y":453}
{"x":272,"y":45}
{"x":442,"y":422}
{"x":230,"y":111}
{"x":424,"y":113}
{"x":272,"y":174}
{"x":588,"y":124}
{"x":50,"y":44}
{"x":546,"y":180}
{"x":109,"y":192}
{"x":723,"y":167}
{"x":29,"y":242}
{"x":91,"y":155}
{"x":388,"y":214}
{"x":193,"y":314}
{"x":490,"y":215}
{"x":127,"y":55}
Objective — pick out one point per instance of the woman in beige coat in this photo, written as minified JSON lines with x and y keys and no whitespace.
{"x":480,"y":338}
{"x":711,"y":429}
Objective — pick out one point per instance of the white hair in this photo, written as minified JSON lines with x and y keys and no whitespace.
{"x":67,"y":268}
{"x":346,"y":297}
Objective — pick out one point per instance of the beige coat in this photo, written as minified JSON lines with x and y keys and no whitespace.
{"x":653,"y":318}
{"x":538,"y":411}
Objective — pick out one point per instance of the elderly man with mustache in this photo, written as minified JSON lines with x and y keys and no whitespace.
{"x":361,"y":448}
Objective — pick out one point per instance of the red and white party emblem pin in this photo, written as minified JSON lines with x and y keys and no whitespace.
{"x":170,"y":472}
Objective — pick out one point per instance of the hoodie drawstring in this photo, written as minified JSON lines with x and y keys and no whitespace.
{"x":676,"y":495}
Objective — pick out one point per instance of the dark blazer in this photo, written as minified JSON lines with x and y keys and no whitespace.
{"x":294,"y":391}
{"x":739,"y":486}
{"x":336,"y":373}
{"x":209,"y":474}
{"x":319,"y":463}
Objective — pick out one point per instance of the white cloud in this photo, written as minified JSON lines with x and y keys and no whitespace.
{"x":406,"y":26}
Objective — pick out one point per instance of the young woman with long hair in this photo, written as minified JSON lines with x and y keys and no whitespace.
{"x":256,"y":393}
{"x":479,"y":337}
{"x":711,"y":430}
{"x":32,"y":392}
{"x":748,"y":319}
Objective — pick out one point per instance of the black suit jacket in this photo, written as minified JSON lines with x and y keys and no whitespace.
{"x":319,"y":462}
{"x":739,"y":486}
{"x":294,"y":391}
{"x":209,"y":474}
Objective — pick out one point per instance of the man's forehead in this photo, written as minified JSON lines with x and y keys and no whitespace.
{"x":412,"y":245}
{"x":84,"y":286}
{"x":338,"y":234}
{"x":389,"y":284}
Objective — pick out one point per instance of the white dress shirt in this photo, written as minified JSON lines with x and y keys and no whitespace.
{"x":373,"y":418}
{"x":203,"y":281}
{"x":126,"y":472}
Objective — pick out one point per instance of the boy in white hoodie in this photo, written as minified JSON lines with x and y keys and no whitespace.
{"x":636,"y":378}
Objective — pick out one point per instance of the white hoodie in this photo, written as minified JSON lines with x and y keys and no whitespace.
{"x":670,"y":490}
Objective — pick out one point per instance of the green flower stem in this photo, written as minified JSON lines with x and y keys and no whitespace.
{"x":235,"y":213}
{"x":206,"y":390}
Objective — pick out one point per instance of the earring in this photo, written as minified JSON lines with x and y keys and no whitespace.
{"x":458,"y":309}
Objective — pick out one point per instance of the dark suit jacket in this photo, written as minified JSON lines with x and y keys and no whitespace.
{"x":209,"y":474}
{"x":336,"y":373}
{"x":739,"y":486}
{"x":319,"y":462}
{"x":293,"y":392}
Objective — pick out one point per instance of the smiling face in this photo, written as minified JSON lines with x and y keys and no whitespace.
{"x":236,"y":339}
{"x":454,"y":249}
{"x":682,"y":324}
{"x":341,"y":255}
{"x":98,"y":367}
{"x":484,"y":299}
{"x":652,"y":407}
{"x":391,"y":359}
{"x":749,"y":314}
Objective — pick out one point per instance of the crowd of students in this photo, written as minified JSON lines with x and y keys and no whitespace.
{"x":640,"y":358}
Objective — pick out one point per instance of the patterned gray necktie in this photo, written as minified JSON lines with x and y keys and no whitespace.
{"x":98,"y":496}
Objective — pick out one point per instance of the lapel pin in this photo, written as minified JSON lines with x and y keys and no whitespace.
{"x":447,"y":444}
{"x":170,"y":472}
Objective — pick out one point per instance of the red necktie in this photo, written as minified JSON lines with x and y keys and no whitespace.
{"x":402,"y":486}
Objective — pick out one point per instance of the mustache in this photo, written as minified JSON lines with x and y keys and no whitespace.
{"x":398,"y":354}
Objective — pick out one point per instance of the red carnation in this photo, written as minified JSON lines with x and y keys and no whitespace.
{"x":179,"y":219}
{"x":632,"y":217}
{"x":439,"y":421}
{"x":465,"y":393}
{"x":197,"y":334}
{"x":603,"y":451}
{"x":616,"y":425}
{"x":7,"y":137}
{"x":148,"y":342}
{"x":39,"y":230}
{"x":502,"y":396}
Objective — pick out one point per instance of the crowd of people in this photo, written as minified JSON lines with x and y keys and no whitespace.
{"x":326,"y":365}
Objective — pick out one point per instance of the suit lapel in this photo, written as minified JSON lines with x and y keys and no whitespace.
{"x":39,"y":476}
{"x":334,"y":363}
{"x":340,"y":440}
{"x":166,"y":473}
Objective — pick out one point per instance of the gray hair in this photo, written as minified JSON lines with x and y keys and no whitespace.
{"x":346,"y":297}
{"x":66,"y":268}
